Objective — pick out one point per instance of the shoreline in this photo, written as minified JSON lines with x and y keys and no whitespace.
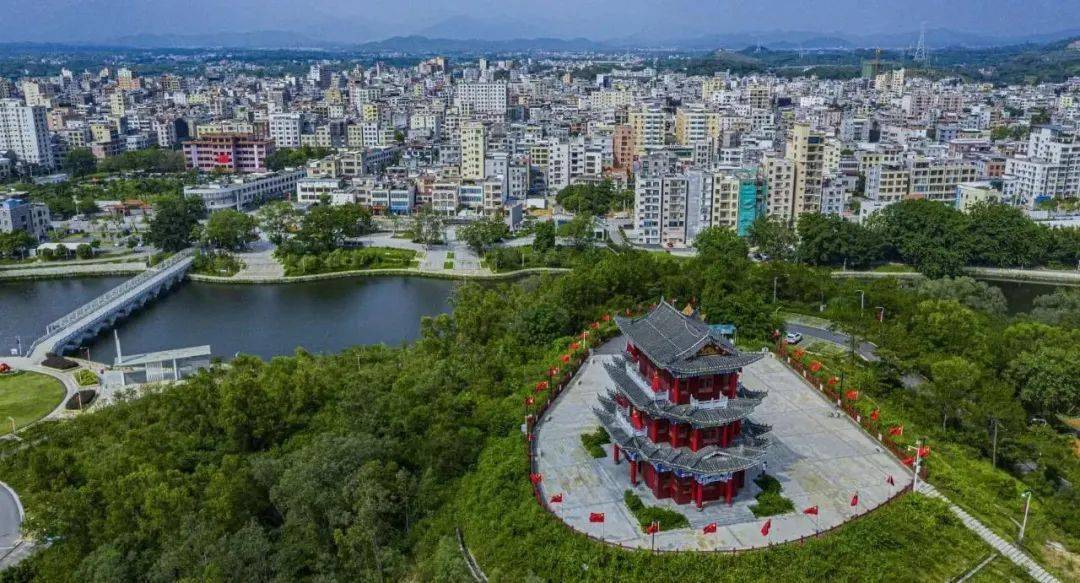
{"x":509,"y":275}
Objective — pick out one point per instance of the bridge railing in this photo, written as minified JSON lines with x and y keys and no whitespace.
{"x":116,"y":292}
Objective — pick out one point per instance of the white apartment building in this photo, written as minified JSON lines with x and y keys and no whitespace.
{"x":310,"y":190}
{"x":488,"y":98}
{"x":661,"y":197}
{"x":1050,"y":169}
{"x":25,"y":131}
{"x":285,"y":129}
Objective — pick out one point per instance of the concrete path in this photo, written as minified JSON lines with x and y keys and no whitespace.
{"x":259,"y":262}
{"x":1002,"y":546}
{"x":11,"y":518}
{"x":821,"y":459}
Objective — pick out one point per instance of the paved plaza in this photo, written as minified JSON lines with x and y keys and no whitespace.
{"x":819,"y":456}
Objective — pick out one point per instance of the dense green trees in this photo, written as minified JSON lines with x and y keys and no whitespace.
{"x":295,"y":157}
{"x":175,"y":222}
{"x":544,"y":237}
{"x":325,"y":228}
{"x":772,"y":237}
{"x":277,"y":219}
{"x":79,"y":162}
{"x":594,"y":199}
{"x":230,"y":230}
{"x":16,"y":244}
{"x":427,"y":227}
{"x":833,"y":240}
{"x":149,"y":160}
{"x":483,"y":234}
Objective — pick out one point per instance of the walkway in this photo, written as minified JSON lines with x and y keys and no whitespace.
{"x":75,"y":269}
{"x":11,"y":517}
{"x":1001,"y":545}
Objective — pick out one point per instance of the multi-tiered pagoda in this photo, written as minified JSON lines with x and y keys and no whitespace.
{"x":677,"y":410}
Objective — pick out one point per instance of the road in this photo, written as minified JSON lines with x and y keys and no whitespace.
{"x":10,"y":521}
{"x":864,"y":349}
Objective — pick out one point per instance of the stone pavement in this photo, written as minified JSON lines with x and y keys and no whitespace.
{"x":819,"y":457}
{"x":1008,"y":550}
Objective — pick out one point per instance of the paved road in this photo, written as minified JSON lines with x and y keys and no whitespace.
{"x":10,"y":520}
{"x":864,"y":349}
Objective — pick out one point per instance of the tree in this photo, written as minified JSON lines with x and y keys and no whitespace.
{"x":84,"y":251}
{"x":16,"y":243}
{"x":294,"y":157}
{"x":972,"y":293}
{"x":945,"y":326}
{"x":175,"y":221}
{"x":834,"y":241}
{"x":483,"y":234}
{"x":278,"y":220}
{"x":324,"y":228}
{"x":427,"y":227}
{"x":1003,"y":236}
{"x":544,"y":237}
{"x":772,"y":237}
{"x":1061,"y":308}
{"x":1047,"y":379}
{"x":593,"y":199}
{"x":720,"y":246}
{"x":579,"y":229}
{"x":230,"y":229}
{"x":79,"y":162}
{"x":954,"y":381}
{"x":929,"y":235}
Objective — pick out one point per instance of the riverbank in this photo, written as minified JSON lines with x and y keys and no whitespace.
{"x":1051,"y":276}
{"x":425,"y":273}
{"x":72,"y":271}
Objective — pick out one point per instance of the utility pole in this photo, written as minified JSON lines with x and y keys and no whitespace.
{"x":774,"y":282}
{"x":918,"y":464}
{"x":994,"y":448}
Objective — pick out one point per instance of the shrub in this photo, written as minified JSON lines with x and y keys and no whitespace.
{"x":58,"y":362}
{"x":595,"y":441}
{"x":769,"y":501}
{"x":81,"y":400}
{"x":646,"y":515}
{"x":86,"y":378}
{"x":84,"y":251}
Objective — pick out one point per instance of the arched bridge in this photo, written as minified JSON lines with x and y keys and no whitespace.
{"x":102,"y":313}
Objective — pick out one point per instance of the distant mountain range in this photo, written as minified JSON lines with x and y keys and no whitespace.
{"x":464,"y":34}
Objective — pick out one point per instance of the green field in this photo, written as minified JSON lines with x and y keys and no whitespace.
{"x":27,"y":396}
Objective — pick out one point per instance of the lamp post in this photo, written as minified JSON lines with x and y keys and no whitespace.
{"x":1027,"y":506}
{"x":775,"y":280}
{"x":862,"y":300}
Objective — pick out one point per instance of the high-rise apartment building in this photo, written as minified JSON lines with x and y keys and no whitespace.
{"x":648,"y":123}
{"x":285,"y":129}
{"x":473,"y":150}
{"x":490,"y":98}
{"x":25,"y":131}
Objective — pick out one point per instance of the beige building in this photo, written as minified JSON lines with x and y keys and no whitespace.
{"x":648,"y":124}
{"x":805,"y":150}
{"x":473,"y":150}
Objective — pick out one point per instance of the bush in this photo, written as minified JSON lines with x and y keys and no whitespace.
{"x":85,"y":378}
{"x":58,"y":362}
{"x":595,"y":441}
{"x":84,"y":251}
{"x":217,"y":263}
{"x":769,"y":501}
{"x":81,"y":400}
{"x":646,"y":515}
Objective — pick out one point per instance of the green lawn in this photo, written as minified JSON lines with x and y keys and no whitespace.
{"x":448,"y":264}
{"x":27,"y":396}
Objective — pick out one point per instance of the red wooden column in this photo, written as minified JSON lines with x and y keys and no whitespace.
{"x":733,"y":384}
{"x":695,"y":439}
{"x":675,"y":390}
{"x":615,"y":453}
{"x":724,"y":434}
{"x":633,"y":473}
{"x":698,"y":494}
{"x":729,"y":490}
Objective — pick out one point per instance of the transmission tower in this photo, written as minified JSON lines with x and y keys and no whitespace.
{"x":921,"y":55}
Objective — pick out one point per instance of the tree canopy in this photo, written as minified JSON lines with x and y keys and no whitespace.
{"x":175,"y":223}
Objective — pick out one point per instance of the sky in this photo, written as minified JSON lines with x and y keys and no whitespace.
{"x":366,"y":20}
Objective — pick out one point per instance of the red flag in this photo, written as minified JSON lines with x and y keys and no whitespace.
{"x":813,"y":511}
{"x":607,"y":317}
{"x":833,"y":381}
{"x":898,"y":430}
{"x":575,"y":346}
{"x":889,"y":480}
{"x":566,"y":358}
{"x":556,"y":498}
{"x":852,"y":395}
{"x":875,"y":414}
{"x":924,"y":451}
{"x":553,"y":371}
{"x":709,"y":528}
{"x":909,"y":461}
{"x":529,"y":401}
{"x":541,"y":386}
{"x":223,"y":158}
{"x":855,"y":499}
{"x":652,"y":528}
{"x":535,"y":478}
{"x":596,"y":517}
{"x":596,"y":325}
{"x":765,"y":528}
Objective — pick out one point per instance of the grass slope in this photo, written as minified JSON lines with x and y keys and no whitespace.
{"x":27,"y":396}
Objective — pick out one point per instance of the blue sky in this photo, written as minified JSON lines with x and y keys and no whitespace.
{"x":363,"y":20}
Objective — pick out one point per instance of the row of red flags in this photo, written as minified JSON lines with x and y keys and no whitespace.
{"x":599,"y":517}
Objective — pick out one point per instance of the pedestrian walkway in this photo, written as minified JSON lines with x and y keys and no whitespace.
{"x":1002,"y":546}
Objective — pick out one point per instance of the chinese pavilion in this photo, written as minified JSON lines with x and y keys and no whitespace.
{"x":677,"y":410}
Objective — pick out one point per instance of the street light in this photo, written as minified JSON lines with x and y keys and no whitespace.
{"x":862,"y":300}
{"x":1027,"y":505}
{"x":774,"y":282}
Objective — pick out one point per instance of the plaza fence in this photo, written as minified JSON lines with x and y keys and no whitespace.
{"x":569,"y":370}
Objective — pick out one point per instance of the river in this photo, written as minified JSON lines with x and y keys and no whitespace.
{"x":269,"y":320}
{"x":264,"y":320}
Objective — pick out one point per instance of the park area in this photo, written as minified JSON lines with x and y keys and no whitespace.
{"x":27,"y":397}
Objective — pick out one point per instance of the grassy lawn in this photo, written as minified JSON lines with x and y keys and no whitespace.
{"x":450,"y":255}
{"x":448,"y":265}
{"x":27,"y":396}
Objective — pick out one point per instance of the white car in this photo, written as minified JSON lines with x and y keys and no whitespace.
{"x":793,"y":338}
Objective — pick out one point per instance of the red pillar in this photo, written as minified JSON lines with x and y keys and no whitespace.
{"x":695,"y":439}
{"x":633,"y":473}
{"x":724,"y":436}
{"x":733,"y":384}
{"x":729,"y":490}
{"x":615,"y":452}
{"x":675,"y":390}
